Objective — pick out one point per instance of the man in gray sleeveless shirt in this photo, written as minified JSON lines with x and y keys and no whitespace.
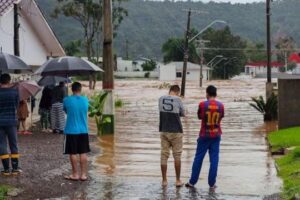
{"x":171,"y":109}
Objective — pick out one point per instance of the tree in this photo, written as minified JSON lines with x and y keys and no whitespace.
{"x":285,"y":46}
{"x":73,"y":47}
{"x":223,"y":42}
{"x":149,"y":65}
{"x":256,"y":52}
{"x":89,"y":14}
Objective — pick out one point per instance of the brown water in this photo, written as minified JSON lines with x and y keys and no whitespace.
{"x":128,"y":166}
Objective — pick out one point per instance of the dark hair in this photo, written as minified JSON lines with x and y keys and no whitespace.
{"x":76,"y":87}
{"x":62,"y":83}
{"x":211,"y":91}
{"x":5,"y":79}
{"x":174,"y":88}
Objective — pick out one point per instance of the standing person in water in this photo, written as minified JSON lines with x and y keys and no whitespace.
{"x":211,"y":113}
{"x":76,"y":143}
{"x":171,"y":109}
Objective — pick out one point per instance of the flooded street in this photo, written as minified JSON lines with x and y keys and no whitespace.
{"x":128,"y":166}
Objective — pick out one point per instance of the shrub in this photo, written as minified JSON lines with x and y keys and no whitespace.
{"x":269,"y":109}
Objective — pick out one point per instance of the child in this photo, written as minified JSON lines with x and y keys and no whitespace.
{"x":171,"y":109}
{"x":23,"y":113}
{"x":211,"y":112}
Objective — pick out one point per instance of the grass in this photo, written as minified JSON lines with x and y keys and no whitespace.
{"x":3,"y":191}
{"x":288,"y":165}
{"x":285,"y":138}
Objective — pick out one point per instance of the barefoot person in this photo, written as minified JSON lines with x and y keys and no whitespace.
{"x":211,"y":113}
{"x":9,"y":100}
{"x":76,"y":132}
{"x":171,"y":109}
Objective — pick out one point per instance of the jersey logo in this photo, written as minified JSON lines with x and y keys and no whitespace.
{"x":168,"y":105}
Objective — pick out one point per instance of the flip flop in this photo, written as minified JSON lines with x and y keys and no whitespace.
{"x":70,"y":178}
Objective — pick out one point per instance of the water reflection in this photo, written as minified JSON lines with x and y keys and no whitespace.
{"x":129,"y":164}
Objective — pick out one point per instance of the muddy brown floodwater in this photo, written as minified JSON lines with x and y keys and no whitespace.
{"x":128,"y":166}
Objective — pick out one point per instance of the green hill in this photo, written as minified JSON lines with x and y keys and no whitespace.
{"x":151,"y":23}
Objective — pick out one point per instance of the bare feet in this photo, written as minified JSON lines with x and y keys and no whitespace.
{"x":179,"y":183}
{"x":83,"y":178}
{"x":71,"y":178}
{"x":164,"y":183}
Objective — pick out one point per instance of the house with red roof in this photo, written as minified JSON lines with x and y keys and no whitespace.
{"x":295,"y":57}
{"x":260,"y":68}
{"x":23,"y":24}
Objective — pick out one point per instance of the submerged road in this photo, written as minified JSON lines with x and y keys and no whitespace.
{"x":128,"y":166}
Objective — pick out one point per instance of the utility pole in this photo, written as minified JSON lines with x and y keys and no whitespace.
{"x":201,"y":46}
{"x":269,"y":86}
{"x":16,"y":31}
{"x":108,"y":67}
{"x":127,"y":49}
{"x":186,"y":53}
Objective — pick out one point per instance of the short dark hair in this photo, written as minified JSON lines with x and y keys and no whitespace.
{"x":211,"y":91}
{"x":76,"y":87}
{"x":174,"y":88}
{"x":5,"y":79}
{"x":61,"y":83}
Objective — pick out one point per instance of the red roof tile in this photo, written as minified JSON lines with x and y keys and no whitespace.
{"x":264,"y":64}
{"x":294,"y":57}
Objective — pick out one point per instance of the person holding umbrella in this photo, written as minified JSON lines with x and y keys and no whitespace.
{"x":57,"y":112}
{"x":9,"y":100}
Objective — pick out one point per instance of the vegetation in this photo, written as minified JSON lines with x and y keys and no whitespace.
{"x":3,"y":191}
{"x":119,"y":103}
{"x":269,"y":109}
{"x":149,"y":65}
{"x":289,"y":164}
{"x":151,"y":23}
{"x":96,"y":107}
{"x":73,"y":48}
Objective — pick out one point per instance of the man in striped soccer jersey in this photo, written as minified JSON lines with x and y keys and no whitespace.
{"x":211,"y":113}
{"x":171,"y":109}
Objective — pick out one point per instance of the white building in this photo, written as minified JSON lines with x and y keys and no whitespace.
{"x":173,"y":71}
{"x":37,"y":42}
{"x":260,"y":68}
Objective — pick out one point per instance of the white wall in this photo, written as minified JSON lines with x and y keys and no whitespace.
{"x":297,"y":69}
{"x":32,"y":50}
{"x":135,"y":74}
{"x":167,"y":73}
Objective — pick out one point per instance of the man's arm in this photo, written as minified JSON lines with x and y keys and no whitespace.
{"x":181,"y":109}
{"x":222,"y":111}
{"x":199,"y":112}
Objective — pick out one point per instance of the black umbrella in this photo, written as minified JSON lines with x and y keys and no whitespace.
{"x":52,"y":80}
{"x":10,"y":63}
{"x":67,"y":66}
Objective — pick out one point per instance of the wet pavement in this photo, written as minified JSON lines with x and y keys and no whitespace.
{"x":128,"y":166}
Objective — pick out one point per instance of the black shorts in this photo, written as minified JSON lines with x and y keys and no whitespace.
{"x":76,"y":144}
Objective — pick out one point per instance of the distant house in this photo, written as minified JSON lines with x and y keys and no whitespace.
{"x":173,"y":71}
{"x":295,"y":57}
{"x":260,"y":68}
{"x":37,"y":41}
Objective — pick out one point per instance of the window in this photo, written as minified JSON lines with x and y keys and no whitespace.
{"x":178,"y":74}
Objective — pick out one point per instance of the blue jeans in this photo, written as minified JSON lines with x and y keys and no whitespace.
{"x":213,"y":147}
{"x":8,"y":133}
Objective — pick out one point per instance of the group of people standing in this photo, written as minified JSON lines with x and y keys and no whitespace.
{"x":210,"y":112}
{"x":55,"y":104}
{"x":52,"y":116}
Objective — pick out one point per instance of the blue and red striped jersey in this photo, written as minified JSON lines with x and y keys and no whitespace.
{"x":211,"y":113}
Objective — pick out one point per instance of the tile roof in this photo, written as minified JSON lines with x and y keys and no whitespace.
{"x":6,"y":5}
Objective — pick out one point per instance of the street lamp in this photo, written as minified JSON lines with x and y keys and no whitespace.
{"x":212,"y":60}
{"x":186,"y":48}
{"x":208,"y":26}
